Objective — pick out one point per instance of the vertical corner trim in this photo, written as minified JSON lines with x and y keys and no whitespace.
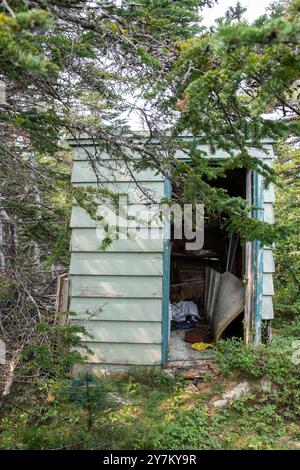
{"x":166,"y":282}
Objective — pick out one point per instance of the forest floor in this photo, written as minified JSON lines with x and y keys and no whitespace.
{"x":250,"y":400}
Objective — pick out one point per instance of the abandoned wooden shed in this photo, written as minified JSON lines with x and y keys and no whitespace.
{"x":124,"y":293}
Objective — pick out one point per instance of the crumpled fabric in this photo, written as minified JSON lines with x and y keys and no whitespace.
{"x":179,"y":311}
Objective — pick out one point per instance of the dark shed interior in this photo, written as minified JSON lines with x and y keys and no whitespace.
{"x":190,"y":269}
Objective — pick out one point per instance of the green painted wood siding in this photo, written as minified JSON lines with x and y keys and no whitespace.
{"x":117,"y":292}
{"x":268,"y":257}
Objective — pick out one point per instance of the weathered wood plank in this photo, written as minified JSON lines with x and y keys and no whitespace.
{"x":269,"y":194}
{"x":143,"y":192}
{"x":268,"y":213}
{"x":90,"y":151}
{"x":110,"y":171}
{"x":62,"y":293}
{"x":80,"y":217}
{"x":89,"y":239}
{"x":126,"y":354}
{"x":123,"y":332}
{"x":268,"y":287}
{"x":267,"y":308}
{"x":116,"y":309}
{"x":219,"y":153}
{"x":120,"y":264}
{"x":269,"y":266}
{"x":116,"y":286}
{"x":269,"y":162}
{"x":62,"y":299}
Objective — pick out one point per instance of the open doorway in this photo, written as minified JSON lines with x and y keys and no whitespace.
{"x":206,"y":286}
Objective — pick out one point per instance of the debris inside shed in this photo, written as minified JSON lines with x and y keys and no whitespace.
{"x":180,"y":352}
{"x":210,"y":279}
{"x":183,"y":311}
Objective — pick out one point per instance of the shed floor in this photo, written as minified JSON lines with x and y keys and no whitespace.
{"x":179,"y":350}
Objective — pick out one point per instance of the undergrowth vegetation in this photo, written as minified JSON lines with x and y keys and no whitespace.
{"x":152,"y":409}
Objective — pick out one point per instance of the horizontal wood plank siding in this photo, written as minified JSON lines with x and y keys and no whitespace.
{"x":125,"y":264}
{"x":268,"y":212}
{"x":124,"y":354}
{"x":269,"y":266}
{"x":266,"y":154}
{"x":88,"y":152}
{"x":131,"y":310}
{"x":267,"y":307}
{"x":268,"y":286}
{"x":123,"y":332}
{"x":91,"y":153}
{"x":269,"y":194}
{"x":117,"y":286}
{"x":81,"y":219}
{"x":145,"y":191}
{"x":89,"y":239}
{"x":110,"y":171}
